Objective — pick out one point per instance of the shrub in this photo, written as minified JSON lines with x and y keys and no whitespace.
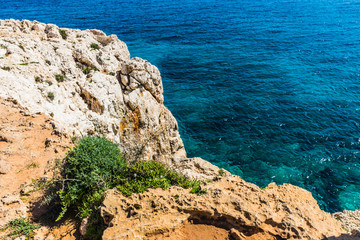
{"x":20,"y":227}
{"x":94,"y":46}
{"x":59,"y":77}
{"x":48,"y":62}
{"x":140,"y":176}
{"x":112,"y":73}
{"x":90,"y":168}
{"x":5,"y":68}
{"x":38,"y":79}
{"x":87,"y":70}
{"x":51,"y":96}
{"x":22,"y":48}
{"x":63,"y":34}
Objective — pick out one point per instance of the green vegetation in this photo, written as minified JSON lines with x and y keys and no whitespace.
{"x":5,"y":68}
{"x":2,"y":46}
{"x":23,"y":64}
{"x":63,"y":34}
{"x":22,"y":48}
{"x":90,"y":168}
{"x":221,"y":172}
{"x":87,"y":70}
{"x":112,"y":73}
{"x":38,"y":79}
{"x":140,"y":176}
{"x":94,"y":166}
{"x":94,"y":46}
{"x":59,"y":77}
{"x":20,"y":227}
{"x":51,"y":96}
{"x":48,"y":62}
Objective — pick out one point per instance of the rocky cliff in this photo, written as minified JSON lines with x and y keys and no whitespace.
{"x":88,"y":84}
{"x":76,"y":83}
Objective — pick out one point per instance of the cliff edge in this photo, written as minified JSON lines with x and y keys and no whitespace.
{"x":85,"y":83}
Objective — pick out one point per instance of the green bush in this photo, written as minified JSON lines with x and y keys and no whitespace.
{"x":51,"y":96}
{"x":140,"y":176}
{"x":22,"y":48}
{"x":38,"y":79}
{"x":63,"y":34}
{"x":59,"y":77}
{"x":5,"y":68}
{"x":94,"y":46}
{"x":87,"y":70}
{"x":90,"y":168}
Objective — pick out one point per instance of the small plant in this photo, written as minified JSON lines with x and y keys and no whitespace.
{"x":59,"y":77}
{"x":30,"y":165}
{"x":22,"y":48}
{"x":87,"y":70}
{"x":94,"y":46}
{"x":221,"y":172}
{"x":20,"y":227}
{"x":2,"y":46}
{"x":63,"y":34}
{"x":49,"y":82}
{"x":112,"y":73}
{"x":48,"y":62}
{"x":5,"y":68}
{"x":38,"y":79}
{"x":51,"y":114}
{"x":24,"y":64}
{"x":198,"y":190}
{"x":51,"y":96}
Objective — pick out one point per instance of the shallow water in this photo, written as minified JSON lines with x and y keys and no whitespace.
{"x":269,"y":90}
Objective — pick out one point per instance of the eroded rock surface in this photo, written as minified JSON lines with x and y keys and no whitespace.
{"x":350,"y":221}
{"x":241,"y":208}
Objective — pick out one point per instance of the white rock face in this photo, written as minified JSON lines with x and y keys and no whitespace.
{"x":86,"y":81}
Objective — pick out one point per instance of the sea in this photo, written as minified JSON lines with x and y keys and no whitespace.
{"x":266,"y":89}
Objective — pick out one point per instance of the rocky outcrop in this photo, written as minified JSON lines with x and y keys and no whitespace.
{"x":350,"y":221}
{"x":230,"y":203}
{"x":86,"y":81}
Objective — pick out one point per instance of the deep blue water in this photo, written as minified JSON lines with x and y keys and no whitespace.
{"x":269,"y":90}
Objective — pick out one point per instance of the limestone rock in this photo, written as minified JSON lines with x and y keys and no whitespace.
{"x":350,"y":220}
{"x":86,"y":81}
{"x":277,"y":212}
{"x":196,"y":168}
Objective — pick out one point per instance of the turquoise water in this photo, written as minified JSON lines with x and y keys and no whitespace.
{"x":269,"y":90}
